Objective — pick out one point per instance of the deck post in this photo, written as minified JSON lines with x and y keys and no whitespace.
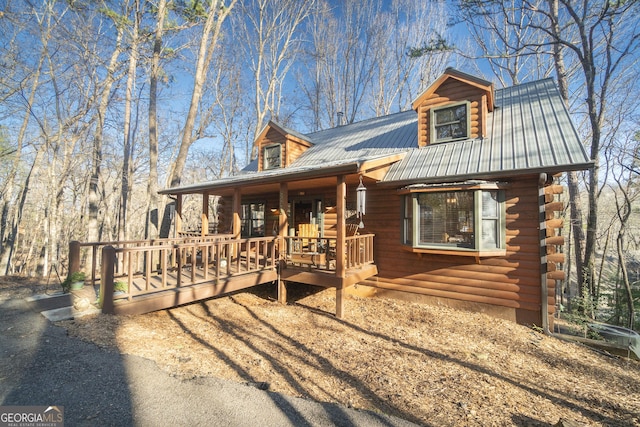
{"x":283,"y":230}
{"x":237,"y":207}
{"x":178,"y":220}
{"x":282,"y":291}
{"x":341,"y":201}
{"x":74,"y":257}
{"x":106,"y":279}
{"x":340,"y":301}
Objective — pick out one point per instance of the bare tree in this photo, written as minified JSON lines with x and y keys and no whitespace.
{"x":514,"y":50}
{"x":151,"y":228}
{"x":134,"y":45}
{"x":608,"y":36}
{"x":271,"y":29}
{"x":399,"y":77}
{"x":602,"y":37}
{"x":627,"y":192}
{"x":105,"y":87}
{"x":233,"y":122}
{"x":9,"y":229}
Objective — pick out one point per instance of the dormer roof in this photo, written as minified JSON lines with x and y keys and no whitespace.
{"x":452,"y":73}
{"x":286,"y":132}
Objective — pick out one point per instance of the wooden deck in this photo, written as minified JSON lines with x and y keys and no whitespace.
{"x":166,"y":273}
{"x":154,"y":294}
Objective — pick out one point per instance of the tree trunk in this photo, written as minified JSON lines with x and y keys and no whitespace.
{"x":7,"y":232}
{"x":575,"y":204}
{"x":123,"y":233}
{"x":151,"y":228}
{"x":9,"y":251}
{"x":209,"y":39}
{"x":93,"y":229}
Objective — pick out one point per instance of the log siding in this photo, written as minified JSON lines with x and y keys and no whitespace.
{"x":511,"y":281}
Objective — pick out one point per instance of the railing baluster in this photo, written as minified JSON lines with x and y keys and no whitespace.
{"x":194,"y":262}
{"x":130,"y":276}
{"x":205,"y":261}
{"x":164,"y":268}
{"x":147,"y":268}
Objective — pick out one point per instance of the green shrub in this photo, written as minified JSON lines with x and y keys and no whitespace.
{"x":76,"y":276}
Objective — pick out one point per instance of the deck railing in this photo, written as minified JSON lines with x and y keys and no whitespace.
{"x":320,"y":252}
{"x":146,"y":267}
{"x":154,"y":268}
{"x":81,"y":251}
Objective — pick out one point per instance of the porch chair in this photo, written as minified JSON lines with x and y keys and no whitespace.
{"x":306,"y":249}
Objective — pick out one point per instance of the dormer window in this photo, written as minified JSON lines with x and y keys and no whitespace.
{"x":450,"y":123}
{"x":272,"y":157}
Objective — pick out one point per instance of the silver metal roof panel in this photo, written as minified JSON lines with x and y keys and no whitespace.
{"x":530,"y":130}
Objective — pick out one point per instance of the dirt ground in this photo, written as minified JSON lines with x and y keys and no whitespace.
{"x":428,"y":364}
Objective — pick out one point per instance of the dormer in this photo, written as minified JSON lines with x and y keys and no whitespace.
{"x":279,"y":147}
{"x":455,"y":107}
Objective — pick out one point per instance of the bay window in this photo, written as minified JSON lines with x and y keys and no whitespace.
{"x":463,"y":220}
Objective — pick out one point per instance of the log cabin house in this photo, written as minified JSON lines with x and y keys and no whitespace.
{"x":453,"y":202}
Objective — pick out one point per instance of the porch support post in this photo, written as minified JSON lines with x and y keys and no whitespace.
{"x":237,"y":206}
{"x":283,"y":220}
{"x":237,"y":223}
{"x":204,"y":229}
{"x":178,"y":220}
{"x":283,"y":229}
{"x":341,"y":201}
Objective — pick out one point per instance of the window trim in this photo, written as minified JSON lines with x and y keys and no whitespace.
{"x":432,"y":121}
{"x":266,"y":166}
{"x":409,"y":222}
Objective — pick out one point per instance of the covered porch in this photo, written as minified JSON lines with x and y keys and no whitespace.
{"x":309,"y":215}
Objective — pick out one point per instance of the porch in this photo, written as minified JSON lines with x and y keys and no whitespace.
{"x":144,"y":276}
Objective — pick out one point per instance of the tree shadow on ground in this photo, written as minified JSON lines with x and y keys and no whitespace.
{"x":335,"y":413}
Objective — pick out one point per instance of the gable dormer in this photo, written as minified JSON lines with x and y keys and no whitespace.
{"x":279,"y":147}
{"x":454,"y":107}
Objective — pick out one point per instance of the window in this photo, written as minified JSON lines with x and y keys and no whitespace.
{"x":271,"y":157}
{"x":252,"y":220}
{"x":458,"y":220}
{"x":450,"y":123}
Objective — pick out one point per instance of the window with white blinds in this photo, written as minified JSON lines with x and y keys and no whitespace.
{"x":465,"y":220}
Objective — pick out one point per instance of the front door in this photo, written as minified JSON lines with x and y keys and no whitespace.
{"x":306,"y":211}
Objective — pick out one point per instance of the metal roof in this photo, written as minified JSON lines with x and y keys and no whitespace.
{"x":363,"y":140}
{"x":529,"y":131}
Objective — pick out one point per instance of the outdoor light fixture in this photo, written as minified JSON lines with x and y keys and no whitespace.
{"x":361,"y":193}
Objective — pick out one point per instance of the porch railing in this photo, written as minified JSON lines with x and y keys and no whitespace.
{"x":154,"y":268}
{"x":321,"y":253}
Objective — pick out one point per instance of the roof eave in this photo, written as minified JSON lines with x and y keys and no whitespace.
{"x":261,"y":179}
{"x":489,"y":175}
